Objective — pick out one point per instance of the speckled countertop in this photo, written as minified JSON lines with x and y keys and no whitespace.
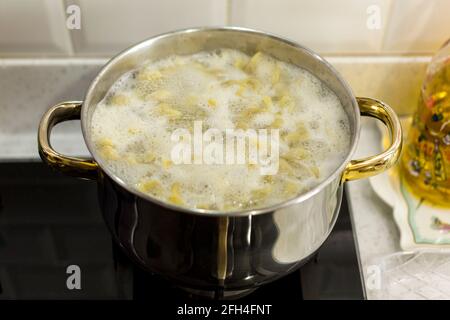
{"x":375,"y":232}
{"x":29,"y":87}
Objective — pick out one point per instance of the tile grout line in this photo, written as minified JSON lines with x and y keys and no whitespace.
{"x":71,"y":52}
{"x":228,"y":12}
{"x":386,"y":26}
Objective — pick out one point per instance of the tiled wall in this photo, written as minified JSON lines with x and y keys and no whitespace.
{"x":38,"y":27}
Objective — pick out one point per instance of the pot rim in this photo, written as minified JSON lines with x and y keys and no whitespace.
{"x":336,"y":174}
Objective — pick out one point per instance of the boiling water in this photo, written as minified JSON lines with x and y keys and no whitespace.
{"x":225,"y":89}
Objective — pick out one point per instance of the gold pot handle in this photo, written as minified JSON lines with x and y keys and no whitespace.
{"x":370,"y":166}
{"x":78,"y":167}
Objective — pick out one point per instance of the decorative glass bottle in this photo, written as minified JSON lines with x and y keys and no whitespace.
{"x":426,"y":156}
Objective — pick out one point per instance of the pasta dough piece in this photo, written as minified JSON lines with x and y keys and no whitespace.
{"x":166,"y":163}
{"x":297,"y":136}
{"x":291,"y":188}
{"x":261,"y":194}
{"x":119,"y":100}
{"x":160,"y":95}
{"x":275,"y":74}
{"x":153,"y":187}
{"x":212,"y":102}
{"x":240,"y":63}
{"x":165,"y":109}
{"x":175,"y":195}
{"x":285,"y":167}
{"x":252,"y":64}
{"x":296,"y":154}
{"x":107,"y":149}
{"x":277,"y":123}
{"x":267,"y":101}
{"x":147,"y":75}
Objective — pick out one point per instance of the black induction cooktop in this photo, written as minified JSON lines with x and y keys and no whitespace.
{"x":50,"y":223}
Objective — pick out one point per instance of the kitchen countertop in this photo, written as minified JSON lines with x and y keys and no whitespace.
{"x":374,"y":229}
{"x":29,"y":87}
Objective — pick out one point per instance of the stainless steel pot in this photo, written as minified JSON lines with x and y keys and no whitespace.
{"x":219,"y":254}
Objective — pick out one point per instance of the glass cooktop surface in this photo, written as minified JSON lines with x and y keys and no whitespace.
{"x":50,"y":224}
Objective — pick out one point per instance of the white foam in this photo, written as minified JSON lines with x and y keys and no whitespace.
{"x":207,"y":86}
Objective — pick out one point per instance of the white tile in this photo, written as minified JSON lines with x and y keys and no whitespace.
{"x":108,"y":27}
{"x":417,"y":26}
{"x":394,"y":80}
{"x":33,"y":27}
{"x":327,"y":26}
